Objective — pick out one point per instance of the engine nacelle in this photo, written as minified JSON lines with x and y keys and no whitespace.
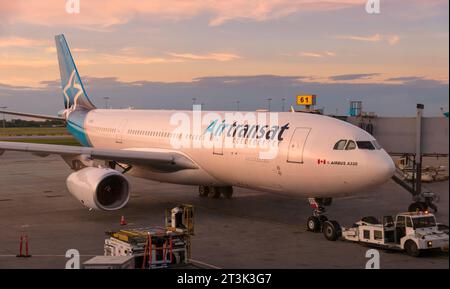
{"x":99,"y":188}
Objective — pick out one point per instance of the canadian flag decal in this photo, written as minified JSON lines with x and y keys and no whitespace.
{"x":321,"y":162}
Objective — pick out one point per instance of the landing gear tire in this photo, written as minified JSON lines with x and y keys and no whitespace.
{"x":214,"y":193}
{"x":227,"y":192}
{"x":313,"y":224}
{"x":316,"y":221}
{"x":203,"y":191}
{"x":412,"y":249}
{"x":417,"y":206}
{"x":331,"y":230}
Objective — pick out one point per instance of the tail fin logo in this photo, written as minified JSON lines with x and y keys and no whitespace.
{"x":72,"y":91}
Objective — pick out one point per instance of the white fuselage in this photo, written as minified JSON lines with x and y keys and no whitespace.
{"x":305,"y":162}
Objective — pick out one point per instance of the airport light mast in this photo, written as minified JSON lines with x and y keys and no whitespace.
{"x":268,"y":104}
{"x":106,"y":98}
{"x":4,"y":119}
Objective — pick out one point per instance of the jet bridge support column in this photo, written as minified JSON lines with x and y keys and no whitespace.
{"x":418,"y":157}
{"x":421,"y":200}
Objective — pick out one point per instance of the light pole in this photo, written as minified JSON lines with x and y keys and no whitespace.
{"x":268,"y":104}
{"x":283,"y":104}
{"x":237,"y":105}
{"x":4,"y":119}
{"x":106,"y":98}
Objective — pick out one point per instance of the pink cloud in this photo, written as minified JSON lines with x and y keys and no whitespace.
{"x":21,"y":42}
{"x":371,"y":38}
{"x":99,"y":13}
{"x":391,"y":39}
{"x":127,"y":58}
{"x":312,"y":54}
{"x":210,"y":56}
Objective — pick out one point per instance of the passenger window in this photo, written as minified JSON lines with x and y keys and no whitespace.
{"x":408,"y":223}
{"x":401,"y":222}
{"x":340,"y":145}
{"x":378,"y":235}
{"x":350,"y":145}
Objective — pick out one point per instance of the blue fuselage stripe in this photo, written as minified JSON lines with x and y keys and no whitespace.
{"x":75,"y":125}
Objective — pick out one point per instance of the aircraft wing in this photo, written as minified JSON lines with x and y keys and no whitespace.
{"x":33,"y":115}
{"x":164,"y":160}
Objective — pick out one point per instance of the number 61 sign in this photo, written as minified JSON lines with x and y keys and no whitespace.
{"x":306,"y":99}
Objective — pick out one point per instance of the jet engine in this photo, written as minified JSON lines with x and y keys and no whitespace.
{"x":99,"y":188}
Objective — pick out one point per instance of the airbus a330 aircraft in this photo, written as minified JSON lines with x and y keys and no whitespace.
{"x":316,"y":156}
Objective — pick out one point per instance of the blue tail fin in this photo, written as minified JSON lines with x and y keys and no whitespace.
{"x":75,"y":96}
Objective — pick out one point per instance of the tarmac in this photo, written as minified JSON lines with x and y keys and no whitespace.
{"x":252,"y":230}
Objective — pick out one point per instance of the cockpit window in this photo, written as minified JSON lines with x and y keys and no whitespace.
{"x":365,"y":145}
{"x":350,"y":145}
{"x":376,"y":145}
{"x":340,"y":145}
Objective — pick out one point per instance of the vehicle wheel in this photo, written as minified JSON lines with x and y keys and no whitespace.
{"x":412,"y":249}
{"x":214,"y":192}
{"x":331,"y":230}
{"x":417,"y":206}
{"x":203,"y":191}
{"x":313,"y":224}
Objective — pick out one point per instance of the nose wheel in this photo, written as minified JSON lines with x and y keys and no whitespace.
{"x":314,"y":224}
{"x":316,"y":221}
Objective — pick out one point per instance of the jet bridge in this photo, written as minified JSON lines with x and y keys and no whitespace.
{"x":409,"y":137}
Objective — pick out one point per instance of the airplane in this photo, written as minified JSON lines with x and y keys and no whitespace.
{"x":317,"y":156}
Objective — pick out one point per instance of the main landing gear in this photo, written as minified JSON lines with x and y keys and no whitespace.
{"x":214,"y":192}
{"x":318,"y":222}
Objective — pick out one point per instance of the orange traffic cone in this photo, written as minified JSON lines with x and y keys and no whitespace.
{"x":122,"y":221}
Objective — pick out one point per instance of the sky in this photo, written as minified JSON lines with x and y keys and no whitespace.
{"x":161,"y":54}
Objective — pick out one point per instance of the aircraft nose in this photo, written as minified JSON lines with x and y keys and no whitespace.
{"x":382,"y":169}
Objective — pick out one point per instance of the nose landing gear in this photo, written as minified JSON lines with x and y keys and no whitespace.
{"x":316,"y":221}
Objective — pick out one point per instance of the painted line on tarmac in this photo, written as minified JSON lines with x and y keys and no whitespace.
{"x":210,"y":266}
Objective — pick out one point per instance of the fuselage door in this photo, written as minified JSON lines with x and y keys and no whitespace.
{"x":121,"y":130}
{"x":297,"y":144}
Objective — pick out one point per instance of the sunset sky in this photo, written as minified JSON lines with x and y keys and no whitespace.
{"x":334,"y":46}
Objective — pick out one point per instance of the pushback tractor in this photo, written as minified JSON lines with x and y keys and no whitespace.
{"x":411,"y":232}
